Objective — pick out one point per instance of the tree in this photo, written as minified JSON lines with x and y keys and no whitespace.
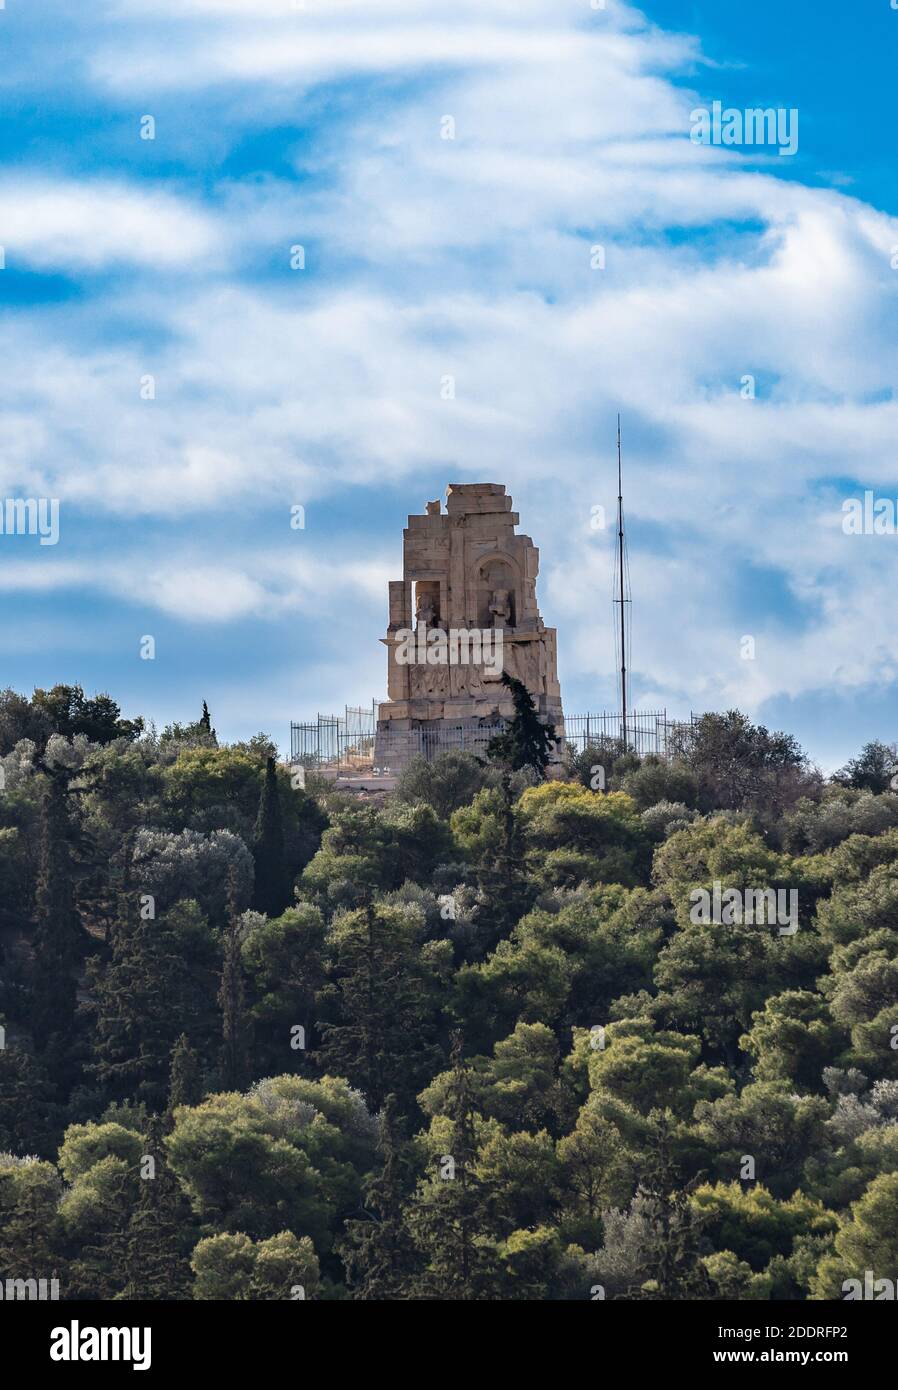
{"x":27,"y":1104}
{"x":30,"y":1230}
{"x":592,"y":1173}
{"x":740,"y":765}
{"x":446,"y":782}
{"x":658,"y":779}
{"x":21,"y":719}
{"x":577,"y":836}
{"x":378,"y":1251}
{"x":354,"y":859}
{"x":273,"y":890}
{"x":753,"y":1224}
{"x":769,"y":1123}
{"x":185,"y":1081}
{"x":449,"y":1216}
{"x":58,"y":936}
{"x":872,"y":770}
{"x":235,"y":1268}
{"x":527,"y":742}
{"x":384,"y":994}
{"x":653,"y":1251}
{"x":70,"y":712}
{"x":101,"y":1165}
{"x":292,"y":1154}
{"x":489,"y":832}
{"x":159,"y":1233}
{"x":232,"y":995}
{"x":193,"y":866}
{"x":793,"y":1038}
{"x":199,"y":734}
{"x":141,"y":999}
{"x":866,"y":1243}
{"x":283,"y":958}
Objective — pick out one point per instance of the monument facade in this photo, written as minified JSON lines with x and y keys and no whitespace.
{"x":464,"y":612}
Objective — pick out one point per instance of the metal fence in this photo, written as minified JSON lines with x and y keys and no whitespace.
{"x":648,"y":731}
{"x":347,"y":740}
{"x":336,"y":740}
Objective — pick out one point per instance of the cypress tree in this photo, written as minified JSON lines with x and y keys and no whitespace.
{"x":138,"y":1000}
{"x":273,"y":890}
{"x":203,"y":728}
{"x":232,"y":995}
{"x":506,"y":891}
{"x":185,"y":1080}
{"x":450,"y":1218}
{"x":58,"y":933}
{"x":158,"y":1238}
{"x":385,"y":1039}
{"x":527,"y":742}
{"x":378,"y":1252}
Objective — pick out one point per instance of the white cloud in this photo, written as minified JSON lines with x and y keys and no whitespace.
{"x":63,"y":226}
{"x":324,"y":40}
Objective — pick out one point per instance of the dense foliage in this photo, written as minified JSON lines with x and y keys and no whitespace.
{"x":265,"y":1040}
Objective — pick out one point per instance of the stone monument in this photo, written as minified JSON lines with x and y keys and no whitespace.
{"x":463,"y":613}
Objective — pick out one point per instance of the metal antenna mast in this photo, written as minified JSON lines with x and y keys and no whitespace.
{"x":624,"y":596}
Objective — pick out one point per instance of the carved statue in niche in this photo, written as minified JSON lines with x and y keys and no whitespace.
{"x":425,"y":608}
{"x":500,"y":608}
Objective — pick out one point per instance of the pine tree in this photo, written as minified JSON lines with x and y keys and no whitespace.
{"x":378,"y":1252}
{"x":206,"y":719}
{"x":527,"y":742}
{"x":273,"y":890}
{"x":158,"y":1239}
{"x":58,"y":937}
{"x":98,"y":1270}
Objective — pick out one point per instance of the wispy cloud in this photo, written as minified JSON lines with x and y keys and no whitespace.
{"x":62,"y":226}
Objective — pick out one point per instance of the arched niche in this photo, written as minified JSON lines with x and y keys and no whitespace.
{"x":495,"y":575}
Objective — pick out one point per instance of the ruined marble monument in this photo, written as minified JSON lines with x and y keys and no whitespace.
{"x":464,"y":611}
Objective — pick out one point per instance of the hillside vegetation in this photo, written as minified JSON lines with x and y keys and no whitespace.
{"x":475,"y":1041}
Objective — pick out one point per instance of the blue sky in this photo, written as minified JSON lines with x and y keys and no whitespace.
{"x":320,"y":126}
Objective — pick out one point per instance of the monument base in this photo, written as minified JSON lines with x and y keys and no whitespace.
{"x":402,"y":736}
